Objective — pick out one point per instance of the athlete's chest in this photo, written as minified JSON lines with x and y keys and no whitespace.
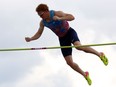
{"x":53,"y":24}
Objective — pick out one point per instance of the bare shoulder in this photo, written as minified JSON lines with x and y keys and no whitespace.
{"x":60,"y":13}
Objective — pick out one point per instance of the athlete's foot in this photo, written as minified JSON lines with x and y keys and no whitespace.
{"x":104,"y":58}
{"x":88,"y":78}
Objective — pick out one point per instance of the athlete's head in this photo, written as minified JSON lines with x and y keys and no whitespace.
{"x":41,"y":9}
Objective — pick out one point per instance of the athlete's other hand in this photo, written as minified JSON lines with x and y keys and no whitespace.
{"x":28,"y":39}
{"x":56,"y":18}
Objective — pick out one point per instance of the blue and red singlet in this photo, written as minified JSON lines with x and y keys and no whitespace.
{"x":59,"y":27}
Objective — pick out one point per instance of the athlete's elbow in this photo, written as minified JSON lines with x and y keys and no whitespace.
{"x":72,"y":18}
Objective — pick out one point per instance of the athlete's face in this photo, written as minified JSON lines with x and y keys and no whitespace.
{"x":44,"y":14}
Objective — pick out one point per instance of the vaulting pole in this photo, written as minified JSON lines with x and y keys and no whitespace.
{"x":56,"y":47}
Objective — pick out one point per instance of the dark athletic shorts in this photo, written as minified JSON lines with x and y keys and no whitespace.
{"x":67,"y":40}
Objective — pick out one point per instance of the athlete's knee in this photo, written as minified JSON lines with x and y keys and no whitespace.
{"x":69,"y":60}
{"x":69,"y":63}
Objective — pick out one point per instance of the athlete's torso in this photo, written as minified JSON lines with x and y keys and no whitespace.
{"x":59,"y":27}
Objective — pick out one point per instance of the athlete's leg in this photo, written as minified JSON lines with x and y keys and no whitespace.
{"x":101,"y":55}
{"x":87,"y":49}
{"x":73,"y":65}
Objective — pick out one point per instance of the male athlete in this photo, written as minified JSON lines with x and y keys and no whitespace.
{"x":57,"y":21}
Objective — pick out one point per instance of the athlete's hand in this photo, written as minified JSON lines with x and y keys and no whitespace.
{"x":28,"y":39}
{"x":56,"y":18}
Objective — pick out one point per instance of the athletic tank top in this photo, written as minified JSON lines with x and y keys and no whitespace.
{"x":59,"y":27}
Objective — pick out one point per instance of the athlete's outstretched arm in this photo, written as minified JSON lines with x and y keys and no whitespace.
{"x":37,"y":34}
{"x":59,"y":15}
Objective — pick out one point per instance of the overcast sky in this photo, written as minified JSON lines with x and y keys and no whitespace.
{"x":95,"y":22}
